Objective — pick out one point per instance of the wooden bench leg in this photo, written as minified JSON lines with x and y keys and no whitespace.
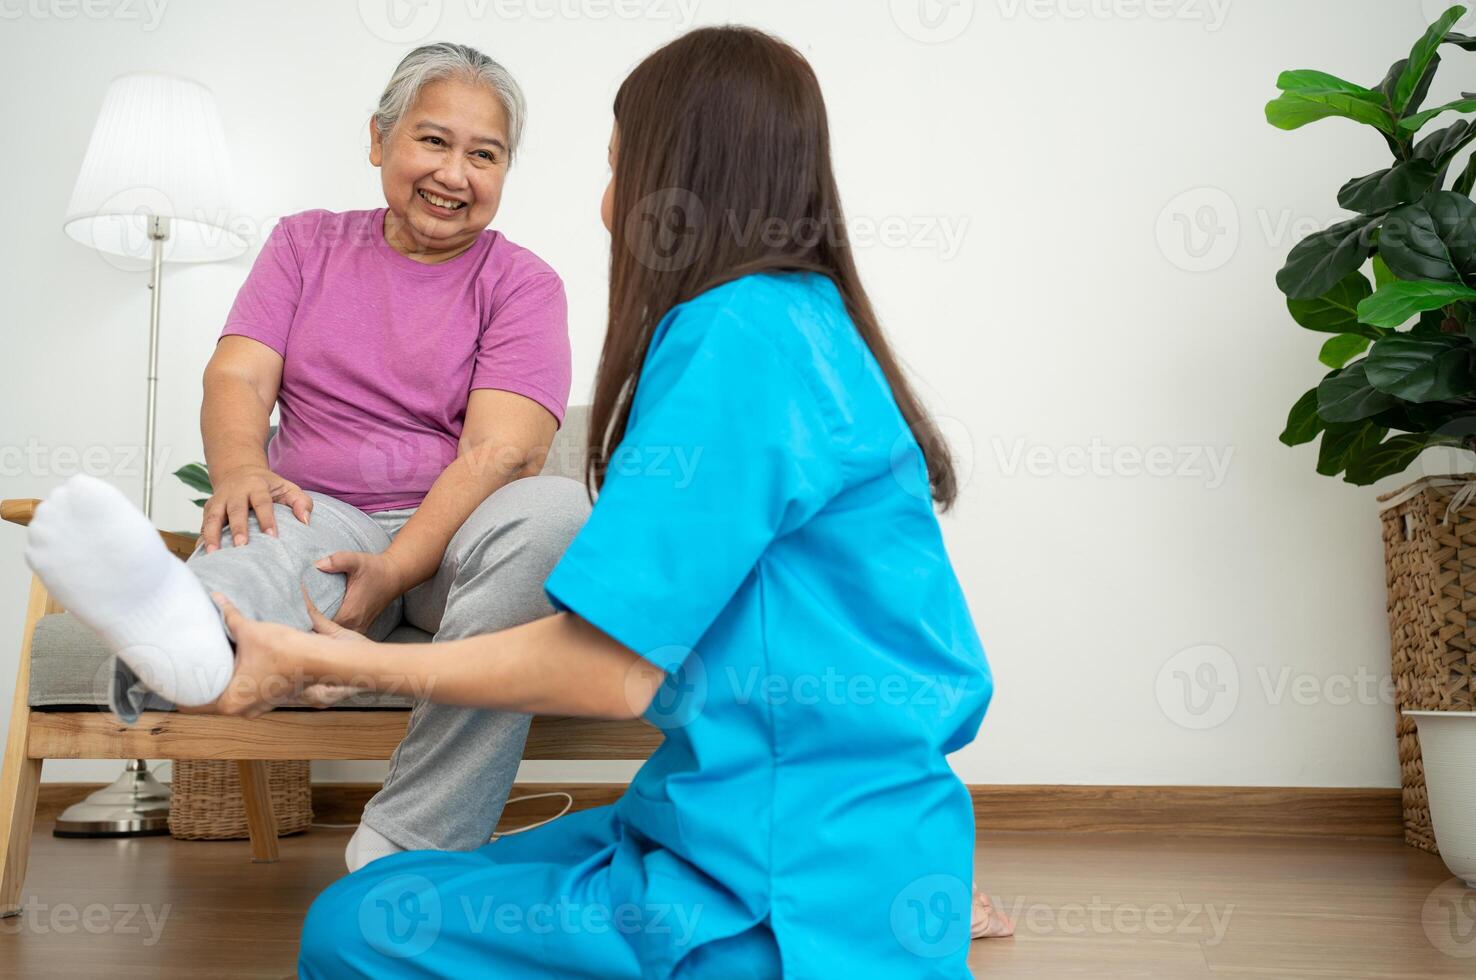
{"x":20,"y":776}
{"x":17,"y":819}
{"x":260,"y":821}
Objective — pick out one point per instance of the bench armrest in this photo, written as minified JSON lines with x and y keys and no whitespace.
{"x":22,"y":510}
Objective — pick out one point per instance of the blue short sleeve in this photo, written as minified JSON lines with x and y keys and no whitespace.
{"x":727,"y":448}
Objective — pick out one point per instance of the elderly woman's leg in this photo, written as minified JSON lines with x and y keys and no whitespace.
{"x":450,"y":777}
{"x":105,"y":561}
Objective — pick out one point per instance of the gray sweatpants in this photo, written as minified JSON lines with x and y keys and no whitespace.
{"x":450,"y":777}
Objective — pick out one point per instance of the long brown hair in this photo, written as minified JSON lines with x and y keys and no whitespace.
{"x":723,"y":169}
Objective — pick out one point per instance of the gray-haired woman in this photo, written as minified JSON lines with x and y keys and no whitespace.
{"x":421,"y":364}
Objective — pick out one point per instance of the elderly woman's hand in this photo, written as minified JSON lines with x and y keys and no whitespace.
{"x":271,"y":663}
{"x":374,"y":581}
{"x":244,"y":490}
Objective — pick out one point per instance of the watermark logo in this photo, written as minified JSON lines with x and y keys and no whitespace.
{"x":96,"y":919}
{"x":679,"y":12}
{"x":146,"y":13}
{"x":568,"y":917}
{"x":393,"y":459}
{"x":1199,"y":229}
{"x":1433,"y":10}
{"x":665,"y":228}
{"x":1212,"y":13}
{"x":682,"y":696}
{"x":400,"y":915}
{"x":930,"y":917}
{"x":1198,"y":688}
{"x":400,"y":21}
{"x":932,"y":21}
{"x":38,"y":460}
{"x":1203,"y":924}
{"x":1449,"y":919}
{"x":1207,"y":464}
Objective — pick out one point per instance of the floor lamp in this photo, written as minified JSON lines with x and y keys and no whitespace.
{"x":154,"y":188}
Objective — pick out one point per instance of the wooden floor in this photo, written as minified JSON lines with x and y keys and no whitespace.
{"x":1085,"y":906}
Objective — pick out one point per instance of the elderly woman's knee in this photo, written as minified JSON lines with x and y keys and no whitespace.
{"x":535,"y":513}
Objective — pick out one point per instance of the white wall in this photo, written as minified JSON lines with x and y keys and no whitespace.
{"x":1063,"y":144}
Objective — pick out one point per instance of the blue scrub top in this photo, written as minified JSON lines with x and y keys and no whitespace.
{"x":765,"y":535}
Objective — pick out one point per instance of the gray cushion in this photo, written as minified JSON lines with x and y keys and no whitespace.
{"x":566,"y":455}
{"x":70,"y":665}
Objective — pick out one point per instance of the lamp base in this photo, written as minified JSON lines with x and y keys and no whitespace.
{"x":134,"y":805}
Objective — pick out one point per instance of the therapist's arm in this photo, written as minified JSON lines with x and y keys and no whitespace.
{"x":505,"y":436}
{"x":557,"y":665}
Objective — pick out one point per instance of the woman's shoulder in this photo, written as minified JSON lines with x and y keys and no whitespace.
{"x":793,"y":324}
{"x":799,"y":316}
{"x":322,"y":228}
{"x":511,"y":264}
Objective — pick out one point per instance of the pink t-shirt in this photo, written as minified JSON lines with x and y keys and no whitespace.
{"x":381,"y":352}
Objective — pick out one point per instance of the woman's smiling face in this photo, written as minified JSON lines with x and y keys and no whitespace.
{"x":451,"y":147}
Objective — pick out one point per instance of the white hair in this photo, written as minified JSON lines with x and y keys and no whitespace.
{"x":431,"y":62}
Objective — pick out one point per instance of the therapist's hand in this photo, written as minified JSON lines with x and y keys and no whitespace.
{"x":270,"y":663}
{"x":374,"y":581}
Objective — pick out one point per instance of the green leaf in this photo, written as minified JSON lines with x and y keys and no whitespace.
{"x":1421,"y":58}
{"x":201,"y":501}
{"x":1417,"y":99}
{"x":1309,"y":95}
{"x":1396,"y":302}
{"x":1381,"y":272}
{"x":1461,"y":41}
{"x":1341,"y":443}
{"x":1466,"y":180}
{"x":1386,"y":189}
{"x":1434,"y":239}
{"x":1321,"y":260}
{"x":1312,"y":80}
{"x":1443,"y":144}
{"x":196,"y":477}
{"x":1423,"y":368}
{"x":1293,"y":110}
{"x":1455,"y":221}
{"x":1414,"y":123}
{"x":1343,"y":348}
{"x":1430,"y":321}
{"x":1303,"y":422}
{"x":1347,"y":396}
{"x":1389,"y":457}
{"x":1335,"y":311}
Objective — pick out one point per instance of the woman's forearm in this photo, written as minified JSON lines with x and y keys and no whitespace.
{"x":233,"y":424}
{"x":470,"y":479}
{"x":558,"y":665}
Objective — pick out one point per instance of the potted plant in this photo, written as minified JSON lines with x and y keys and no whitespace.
{"x":1401,"y":378}
{"x":196,"y":477}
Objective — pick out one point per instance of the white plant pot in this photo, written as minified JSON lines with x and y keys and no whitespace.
{"x":1448,"y":747}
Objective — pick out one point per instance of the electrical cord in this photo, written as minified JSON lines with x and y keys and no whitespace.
{"x":568,"y":805}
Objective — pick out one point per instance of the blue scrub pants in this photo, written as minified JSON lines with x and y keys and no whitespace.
{"x":537,"y":904}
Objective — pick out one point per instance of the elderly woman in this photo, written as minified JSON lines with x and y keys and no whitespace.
{"x":421,"y":364}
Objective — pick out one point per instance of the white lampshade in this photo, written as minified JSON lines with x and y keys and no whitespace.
{"x":158,"y":149}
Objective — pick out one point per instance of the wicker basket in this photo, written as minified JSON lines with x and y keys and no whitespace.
{"x":205,"y":799}
{"x":1430,"y":571}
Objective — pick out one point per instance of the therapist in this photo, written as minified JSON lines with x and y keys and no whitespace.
{"x":763,"y":577}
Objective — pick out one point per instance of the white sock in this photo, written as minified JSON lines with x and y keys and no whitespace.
{"x":103,"y":560}
{"x":367,"y":845}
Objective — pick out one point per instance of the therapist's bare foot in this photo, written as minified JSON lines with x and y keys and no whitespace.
{"x":988,"y":921}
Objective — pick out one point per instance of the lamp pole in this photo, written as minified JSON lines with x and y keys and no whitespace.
{"x":135,"y":804}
